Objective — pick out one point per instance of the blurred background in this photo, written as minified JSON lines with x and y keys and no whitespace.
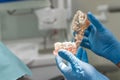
{"x":31,"y":27}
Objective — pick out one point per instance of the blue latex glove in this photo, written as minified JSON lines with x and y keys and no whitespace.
{"x":82,"y":55}
{"x":78,"y":70}
{"x":101,"y":41}
{"x":11,"y":68}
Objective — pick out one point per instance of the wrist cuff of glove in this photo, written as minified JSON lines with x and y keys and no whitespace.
{"x":113,"y":53}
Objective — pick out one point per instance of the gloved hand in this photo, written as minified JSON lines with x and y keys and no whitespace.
{"x":82,"y":55}
{"x":101,"y":41}
{"x":77,"y":70}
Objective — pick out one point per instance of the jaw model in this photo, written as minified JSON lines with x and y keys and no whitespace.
{"x":69,"y":46}
{"x":79,"y":24}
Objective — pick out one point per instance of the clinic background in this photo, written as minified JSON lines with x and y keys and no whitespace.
{"x":19,"y":31}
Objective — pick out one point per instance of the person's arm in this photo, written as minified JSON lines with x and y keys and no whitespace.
{"x":11,"y":67}
{"x":101,"y":41}
{"x":118,"y":64}
{"x":23,"y":78}
{"x":77,"y":70}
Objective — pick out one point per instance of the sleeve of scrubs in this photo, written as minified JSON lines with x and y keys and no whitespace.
{"x":11,"y":68}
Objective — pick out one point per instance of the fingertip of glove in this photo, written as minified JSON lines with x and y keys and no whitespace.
{"x":61,"y":51}
{"x":89,"y":13}
{"x":90,"y":16}
{"x":74,"y":33}
{"x":64,"y":53}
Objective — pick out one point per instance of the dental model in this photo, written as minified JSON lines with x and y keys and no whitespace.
{"x":79,"y":24}
{"x":69,"y":46}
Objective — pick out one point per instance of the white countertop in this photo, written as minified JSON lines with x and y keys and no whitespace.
{"x":27,"y":51}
